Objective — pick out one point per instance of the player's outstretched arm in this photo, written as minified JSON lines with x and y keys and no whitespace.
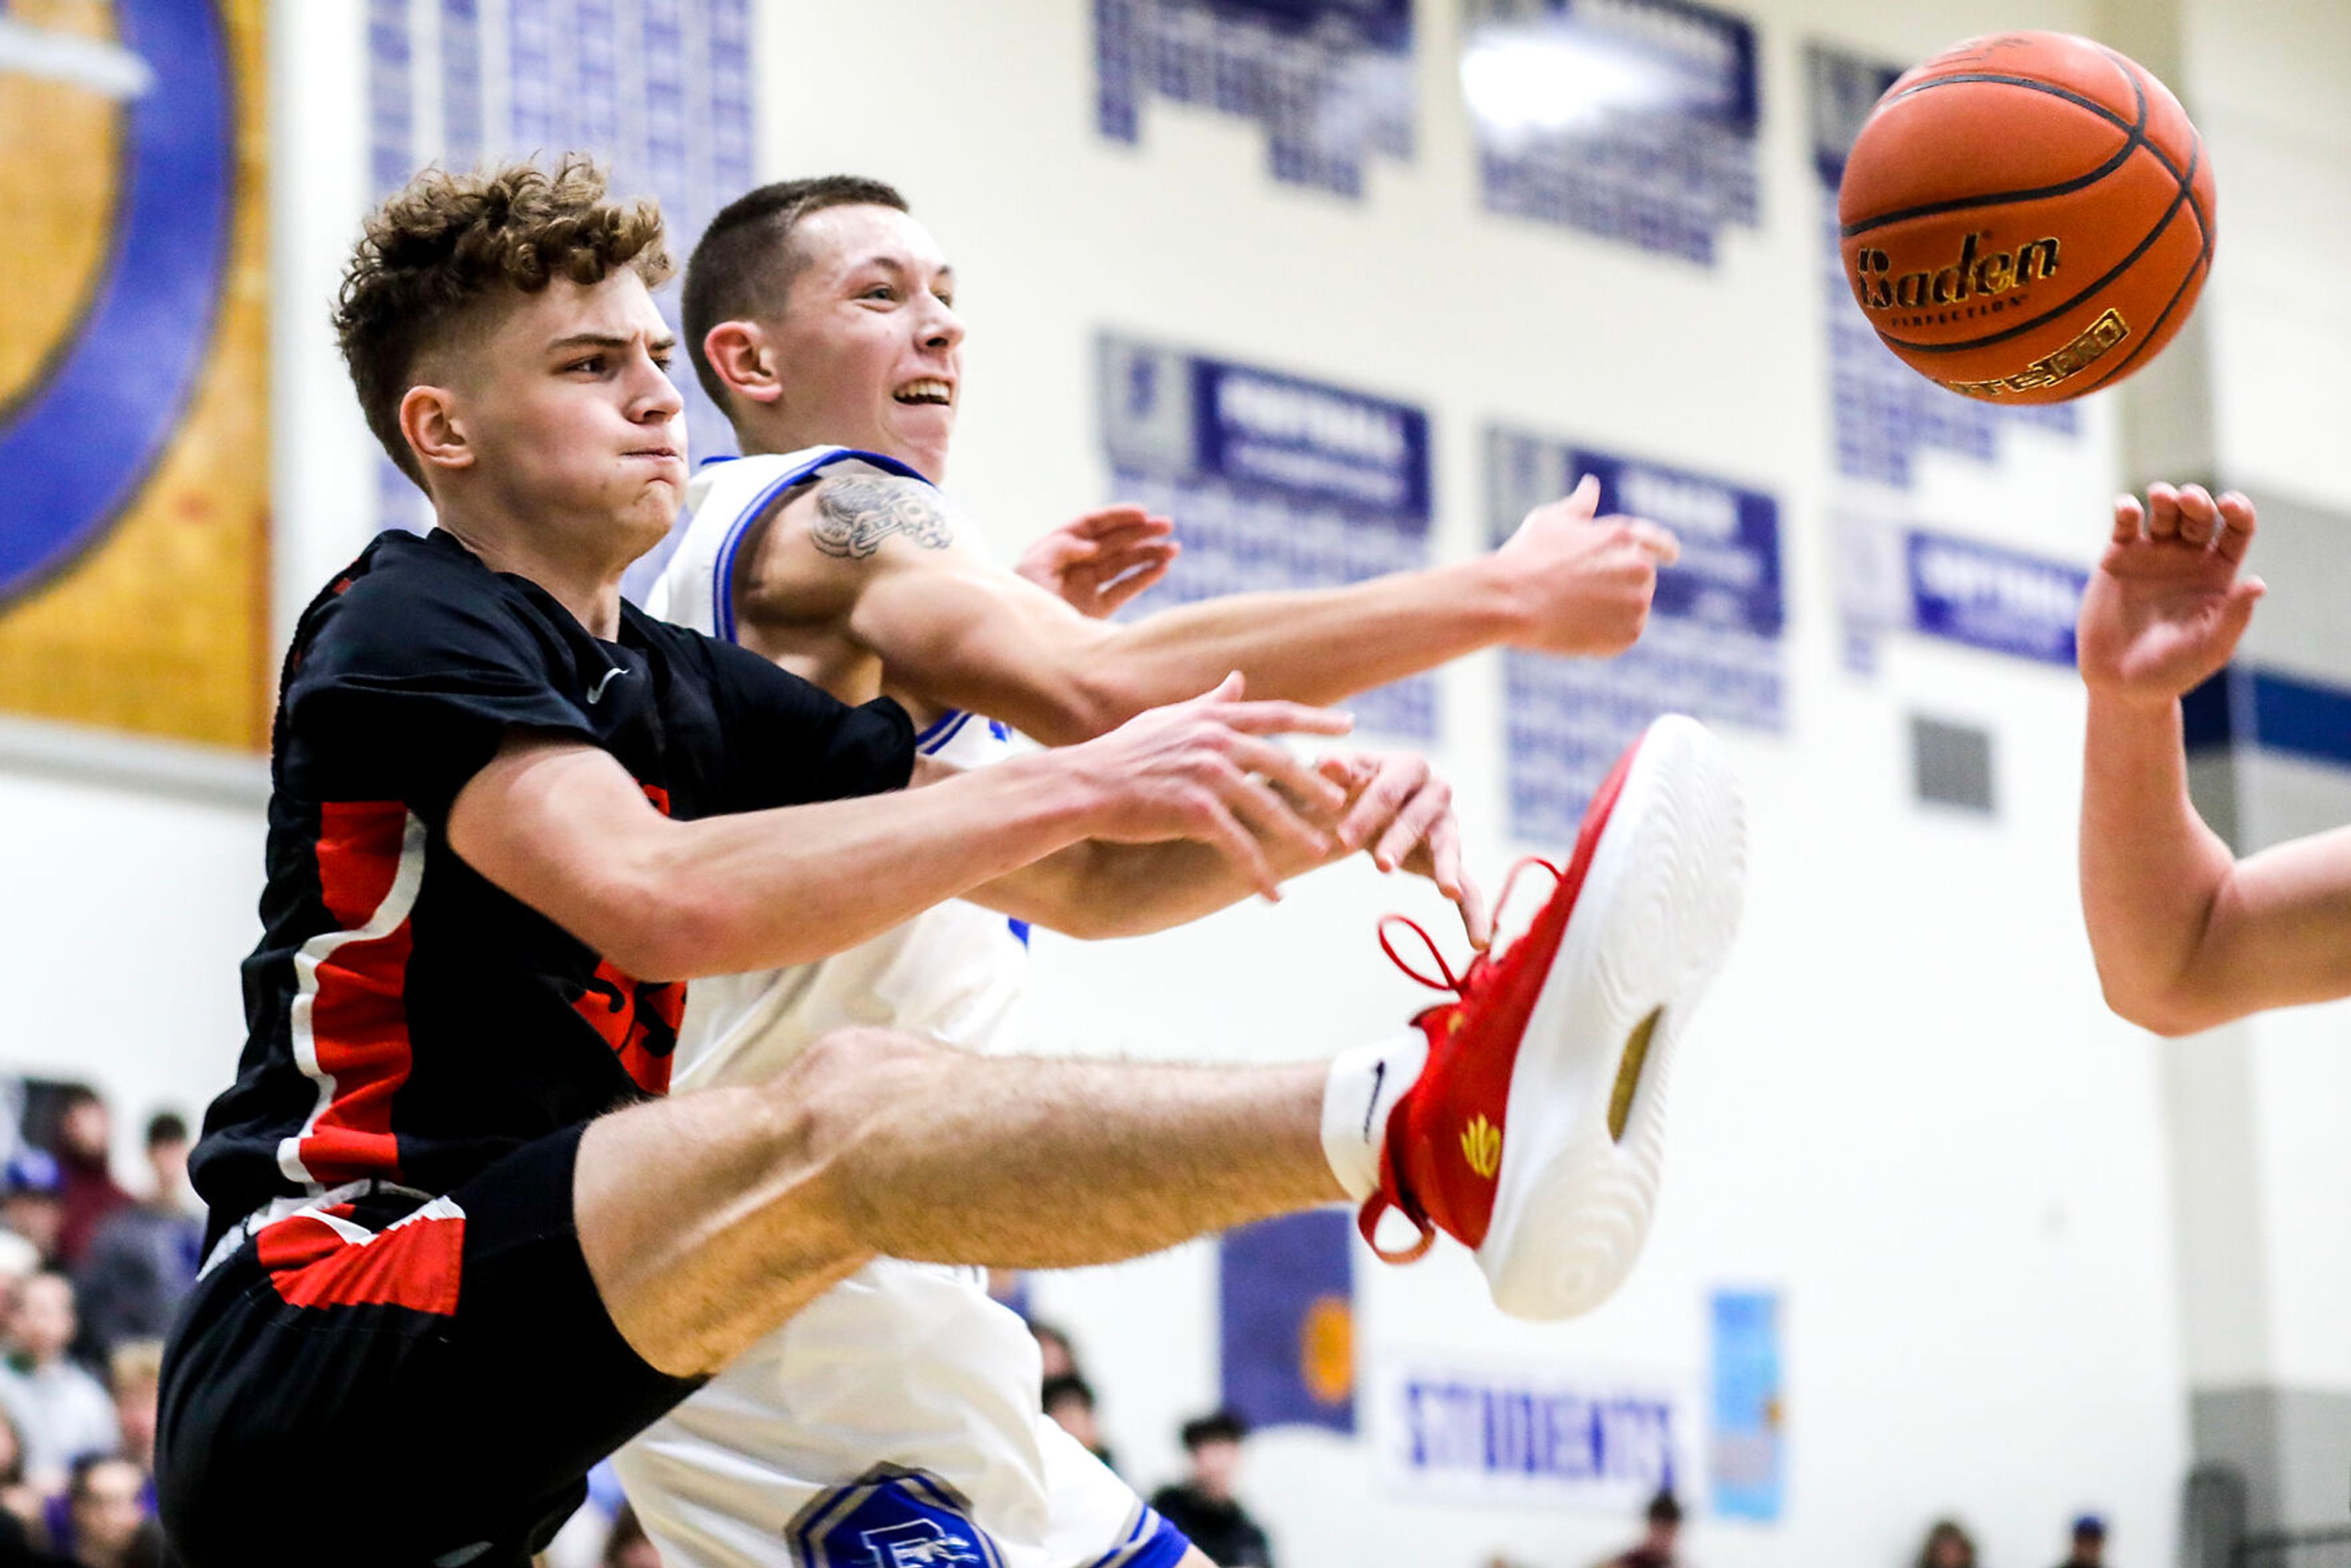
{"x":1397,"y":810}
{"x":2186,"y":936}
{"x":561,"y":826}
{"x":950,"y":625}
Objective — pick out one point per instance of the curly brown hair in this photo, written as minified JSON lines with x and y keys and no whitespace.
{"x":446,"y":242}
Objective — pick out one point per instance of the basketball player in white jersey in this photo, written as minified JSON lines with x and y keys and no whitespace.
{"x":902,"y":1408}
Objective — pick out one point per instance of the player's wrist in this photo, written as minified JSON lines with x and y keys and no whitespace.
{"x":1061,"y":791}
{"x":1495,"y":598}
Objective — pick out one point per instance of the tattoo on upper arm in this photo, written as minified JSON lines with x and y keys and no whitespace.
{"x":853,"y":516}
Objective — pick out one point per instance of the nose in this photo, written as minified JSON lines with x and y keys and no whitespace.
{"x":942,"y":329}
{"x":655,"y":399}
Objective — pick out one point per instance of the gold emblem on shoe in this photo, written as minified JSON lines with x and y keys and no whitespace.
{"x":1481,"y":1145}
{"x":1628,"y":1074}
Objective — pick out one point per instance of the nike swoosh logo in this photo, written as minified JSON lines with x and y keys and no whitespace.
{"x":596,"y":691}
{"x":1379,"y":1076}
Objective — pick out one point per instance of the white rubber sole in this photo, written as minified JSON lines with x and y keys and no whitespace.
{"x":1660,"y":904}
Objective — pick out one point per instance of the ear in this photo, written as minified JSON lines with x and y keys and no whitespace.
{"x":435,"y":430}
{"x":740,"y":354}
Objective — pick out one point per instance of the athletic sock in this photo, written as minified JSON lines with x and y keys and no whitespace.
{"x":1363,"y":1087}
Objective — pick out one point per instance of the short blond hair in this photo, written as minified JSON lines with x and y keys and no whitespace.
{"x":135,"y":1361}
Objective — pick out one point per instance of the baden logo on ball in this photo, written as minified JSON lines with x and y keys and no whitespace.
{"x":2027,"y":218}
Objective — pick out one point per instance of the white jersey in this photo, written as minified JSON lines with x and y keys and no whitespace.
{"x":895,"y":1419}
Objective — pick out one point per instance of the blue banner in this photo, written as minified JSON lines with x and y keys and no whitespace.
{"x":1286,"y":1289}
{"x":1276,"y":483}
{"x":1632,"y":119}
{"x":1966,"y":591}
{"x":1712,"y":649}
{"x":1328,"y":80}
{"x":1746,"y":1467}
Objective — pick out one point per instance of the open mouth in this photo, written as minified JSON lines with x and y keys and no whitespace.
{"x":929,"y":391}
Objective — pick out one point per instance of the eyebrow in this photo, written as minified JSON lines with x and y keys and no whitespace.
{"x":608,"y":340}
{"x":892,"y":264}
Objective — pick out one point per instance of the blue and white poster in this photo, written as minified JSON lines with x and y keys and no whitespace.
{"x":660,"y":90}
{"x":1275,"y":483}
{"x":1632,"y":119}
{"x":1746,"y":1469}
{"x":1328,"y":80}
{"x":1286,"y":1295}
{"x":1713,"y":645}
{"x":1508,"y":1432}
{"x":1883,"y":414}
{"x":1956,"y":589}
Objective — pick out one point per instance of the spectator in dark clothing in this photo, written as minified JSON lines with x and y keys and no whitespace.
{"x":1663,"y":1519}
{"x":144,"y":1259}
{"x":1204,"y":1506}
{"x":1070,"y":1400}
{"x":2089,"y":1543}
{"x":85,"y":1146}
{"x":32,"y":1189}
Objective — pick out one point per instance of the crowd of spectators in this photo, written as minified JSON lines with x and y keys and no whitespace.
{"x":89,"y":1276}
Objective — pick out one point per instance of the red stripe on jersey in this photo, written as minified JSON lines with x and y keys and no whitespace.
{"x":358,"y":1014}
{"x":639,"y":1019}
{"x":417,"y":1264}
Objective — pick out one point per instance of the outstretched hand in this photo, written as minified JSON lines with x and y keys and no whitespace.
{"x":1400,"y":813}
{"x":2165,"y":607}
{"x":1583,"y":582}
{"x":1206,"y":770}
{"x":1102,"y":560}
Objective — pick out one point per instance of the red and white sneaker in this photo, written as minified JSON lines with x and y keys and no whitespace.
{"x":1535,"y":1131}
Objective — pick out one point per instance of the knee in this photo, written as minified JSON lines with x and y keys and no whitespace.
{"x":846,"y":1082}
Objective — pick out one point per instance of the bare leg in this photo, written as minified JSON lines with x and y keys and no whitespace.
{"x":709,"y":1218}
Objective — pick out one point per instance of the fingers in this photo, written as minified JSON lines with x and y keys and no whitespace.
{"x":1389,"y":784}
{"x":1112,"y":519}
{"x":1476,"y":915}
{"x":1655,"y":540}
{"x":1216,"y":827}
{"x":1304,"y":781}
{"x":1585,"y":497}
{"x":1283,"y":717}
{"x":2162,"y":512}
{"x":2237,"y":513}
{"x":1110,"y":600}
{"x":1431,"y":802}
{"x":2129,"y":518}
{"x":1271,"y":819}
{"x":2198,"y":516}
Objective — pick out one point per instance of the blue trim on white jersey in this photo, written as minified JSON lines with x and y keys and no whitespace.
{"x":722,"y":581}
{"x":942,"y":732}
{"x":1152,"y":1542}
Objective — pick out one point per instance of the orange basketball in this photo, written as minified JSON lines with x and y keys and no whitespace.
{"x":2027,"y":217}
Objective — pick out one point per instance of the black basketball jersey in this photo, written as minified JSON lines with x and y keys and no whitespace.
{"x":406,"y":1021}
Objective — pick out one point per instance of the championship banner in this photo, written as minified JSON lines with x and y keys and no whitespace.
{"x":1507,"y":1432}
{"x":1712,"y":649}
{"x":1632,"y":119}
{"x":134,"y":553}
{"x":1285,"y":1293}
{"x":1329,"y":81}
{"x":1275,"y":483}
